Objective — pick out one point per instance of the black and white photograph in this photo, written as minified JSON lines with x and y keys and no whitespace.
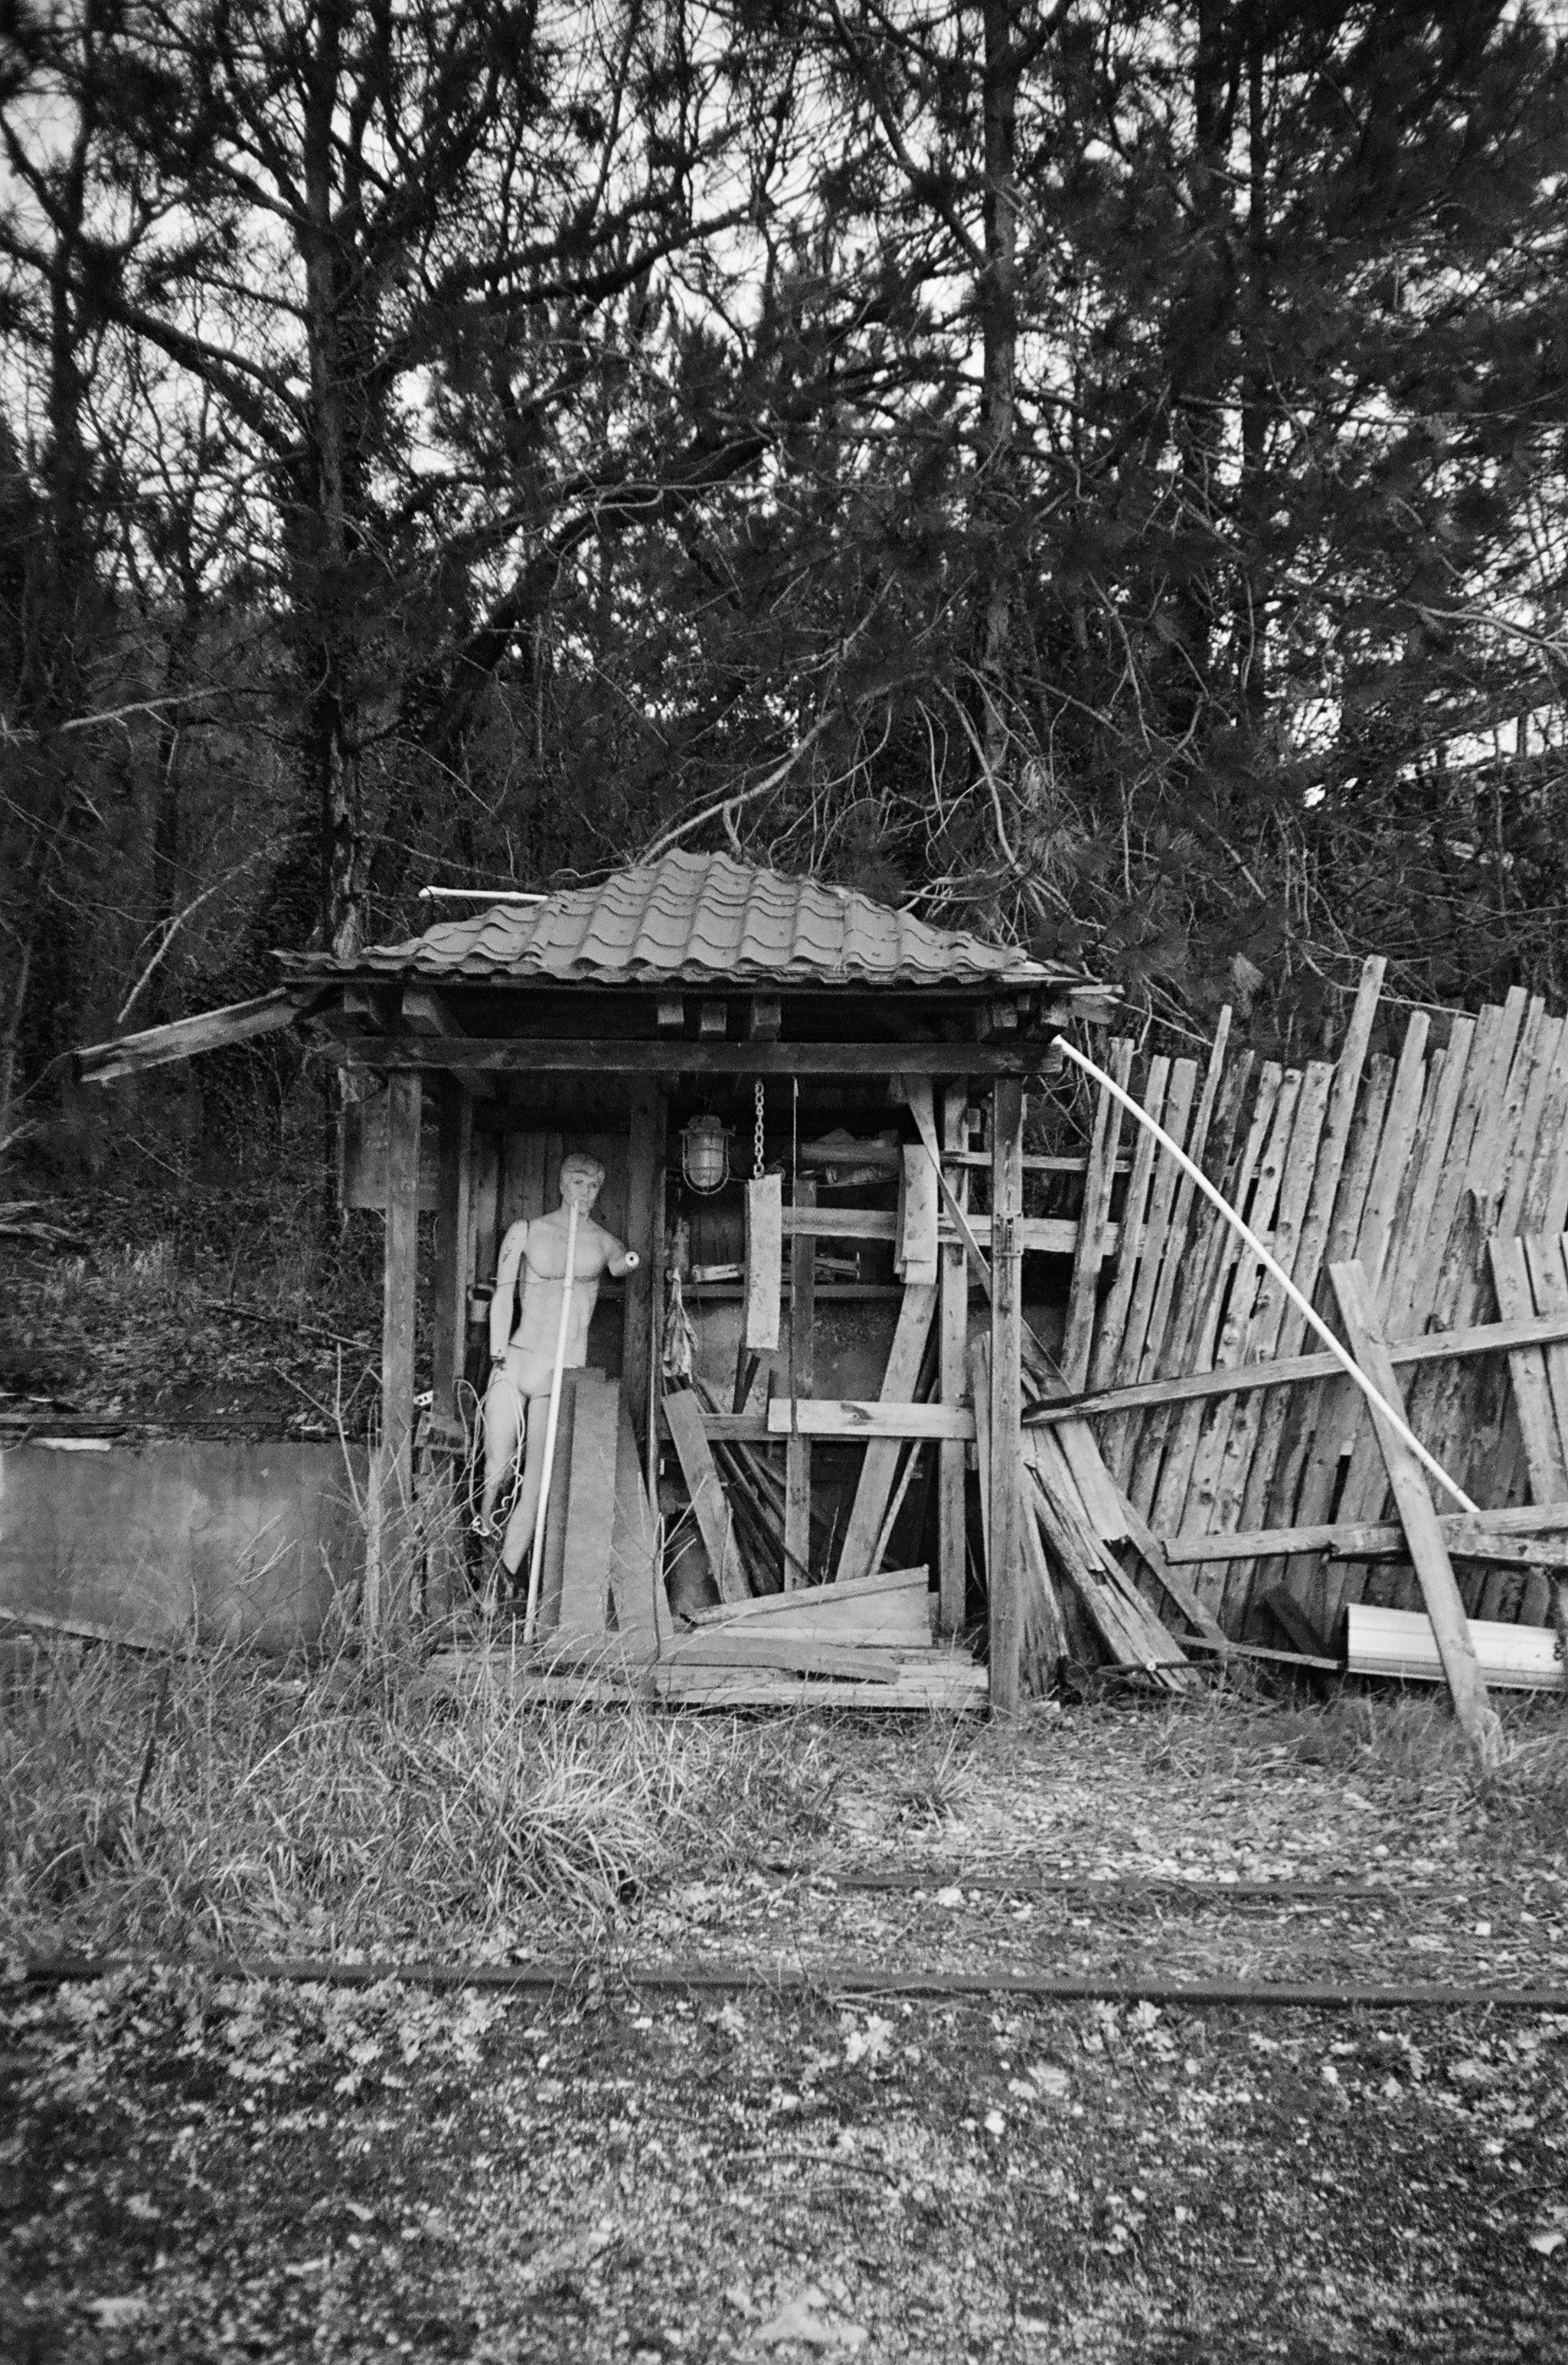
{"x":783,"y":1181}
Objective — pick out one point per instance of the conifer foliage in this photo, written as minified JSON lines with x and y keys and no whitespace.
{"x":1090,"y":471}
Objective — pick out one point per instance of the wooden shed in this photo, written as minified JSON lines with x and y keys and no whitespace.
{"x":885,"y":1061}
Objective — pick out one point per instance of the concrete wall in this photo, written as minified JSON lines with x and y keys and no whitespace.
{"x":242,"y":1542}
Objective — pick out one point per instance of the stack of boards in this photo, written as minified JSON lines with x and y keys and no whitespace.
{"x":605,"y":1631}
{"x":865,"y":1643}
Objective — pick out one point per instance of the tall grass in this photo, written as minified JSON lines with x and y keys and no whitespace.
{"x":210,"y":1803}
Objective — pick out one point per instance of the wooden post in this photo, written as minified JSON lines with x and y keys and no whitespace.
{"x":387,"y":1570}
{"x":1006,"y":1388}
{"x":951,"y":1557}
{"x":1408,"y":1481}
{"x":803,"y":1378}
{"x":645,"y":1225}
{"x":451,"y":1245}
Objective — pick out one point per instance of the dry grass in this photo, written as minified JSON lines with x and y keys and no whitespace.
{"x":209,"y":1802}
{"x":1410,"y":1741}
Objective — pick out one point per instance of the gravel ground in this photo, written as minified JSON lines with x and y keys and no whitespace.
{"x":194,"y":2167}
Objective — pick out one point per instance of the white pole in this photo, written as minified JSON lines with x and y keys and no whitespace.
{"x":537,"y":1562}
{"x":1348,"y":1364}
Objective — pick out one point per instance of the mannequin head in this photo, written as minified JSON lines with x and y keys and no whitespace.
{"x":582,"y":1180}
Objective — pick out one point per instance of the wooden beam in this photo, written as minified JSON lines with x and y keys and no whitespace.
{"x":764,"y":1269}
{"x":880,"y":1467}
{"x":709,"y":1502}
{"x":621,"y":1056}
{"x":1006,"y":1393}
{"x":1409,"y":1482}
{"x":670,"y":1013}
{"x":856,"y":1420}
{"x":644,"y":1227}
{"x":387,"y":1572}
{"x":763,"y":1016}
{"x":952,"y":1555}
{"x":1095,"y":1241}
{"x":801,"y":1375}
{"x":712,"y":1019}
{"x":1050,"y":1234}
{"x":1349,"y":1539}
{"x":1435,"y":1347}
{"x":452,"y":1229}
{"x":183,"y":1038}
{"x":830,"y":1601}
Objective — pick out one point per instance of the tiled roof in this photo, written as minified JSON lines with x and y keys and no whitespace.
{"x":695,"y":919}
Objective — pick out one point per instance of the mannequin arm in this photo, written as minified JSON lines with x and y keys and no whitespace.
{"x":621,"y":1259}
{"x":503,"y":1302}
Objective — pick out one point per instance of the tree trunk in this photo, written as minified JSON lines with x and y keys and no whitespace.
{"x":997,"y":492}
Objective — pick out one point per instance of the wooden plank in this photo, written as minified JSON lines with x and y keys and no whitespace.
{"x":1308,"y":1477}
{"x":1098,"y":1182}
{"x":1370,"y":1539}
{"x":484,"y":1208}
{"x":1006,"y":1393}
{"x":764,"y":1263}
{"x":810,"y":1222}
{"x":1126,"y":1358}
{"x":452,"y":1275}
{"x":1418,"y":1516}
{"x":588,"y":1543}
{"x":956,"y":1689}
{"x":622,"y":1056}
{"x":801,"y":1375}
{"x":1395,"y":1152}
{"x":385,"y":1603}
{"x":183,"y":1038}
{"x":1491,"y":1551}
{"x":1113,"y":1317}
{"x":1545,"y":1205}
{"x":1548,"y":1051}
{"x":1548,"y":1285}
{"x":1527,"y":1369}
{"x":1410,"y":1274}
{"x":524,"y":1157}
{"x":858,"y":1597}
{"x":1365,"y":1484}
{"x":898,"y":1620}
{"x":1436,"y":1347}
{"x":879,"y":1467}
{"x":645,"y":1234}
{"x":1219,"y":1104}
{"x":1238,"y":1475}
{"x":1233,"y":1339}
{"x":859,"y":1418}
{"x":1214,"y":1267}
{"x":915,"y":1248}
{"x":1193,"y":1227}
{"x":952,"y":1557}
{"x":859,"y":1662}
{"x":635,"y":1587}
{"x":709,"y":1503}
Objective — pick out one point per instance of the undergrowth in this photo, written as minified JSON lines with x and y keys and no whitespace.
{"x":1410,"y":1744}
{"x":211,"y":1803}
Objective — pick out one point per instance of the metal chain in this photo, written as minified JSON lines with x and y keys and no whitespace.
{"x":758,"y":1144}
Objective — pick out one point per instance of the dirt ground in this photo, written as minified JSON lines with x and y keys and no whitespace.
{"x":196,"y":2167}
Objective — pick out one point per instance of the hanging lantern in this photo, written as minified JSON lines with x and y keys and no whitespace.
{"x":705,"y":1153}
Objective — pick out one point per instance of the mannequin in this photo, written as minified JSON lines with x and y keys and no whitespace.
{"x":525,"y":1317}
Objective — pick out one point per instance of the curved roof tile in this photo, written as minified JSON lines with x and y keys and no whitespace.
{"x":694,"y":919}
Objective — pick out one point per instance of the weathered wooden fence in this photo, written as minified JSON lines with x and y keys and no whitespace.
{"x":1444,"y":1170}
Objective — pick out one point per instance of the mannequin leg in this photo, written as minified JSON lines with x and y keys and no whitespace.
{"x":519,"y":1540}
{"x":502,"y":1417}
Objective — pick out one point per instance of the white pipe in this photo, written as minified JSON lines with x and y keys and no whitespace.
{"x":478,"y":895}
{"x":1347,"y":1361}
{"x":537,"y":1562}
